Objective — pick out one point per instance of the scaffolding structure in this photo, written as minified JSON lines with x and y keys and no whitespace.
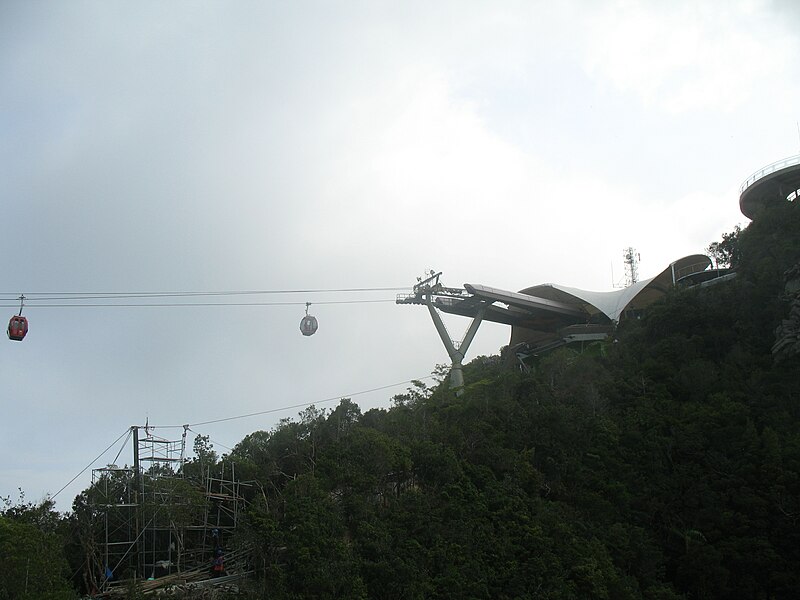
{"x":164,"y":514}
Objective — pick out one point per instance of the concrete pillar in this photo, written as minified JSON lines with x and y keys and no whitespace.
{"x":456,"y":355}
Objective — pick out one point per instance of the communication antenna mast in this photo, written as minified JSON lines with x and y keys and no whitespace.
{"x":631,"y":265}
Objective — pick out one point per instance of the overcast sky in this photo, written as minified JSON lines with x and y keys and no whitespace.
{"x":212,"y":146}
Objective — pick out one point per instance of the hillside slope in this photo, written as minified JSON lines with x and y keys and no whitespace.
{"x":664,"y":466}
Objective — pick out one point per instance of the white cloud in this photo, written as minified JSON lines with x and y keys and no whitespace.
{"x":272,"y":145}
{"x":688,"y":56}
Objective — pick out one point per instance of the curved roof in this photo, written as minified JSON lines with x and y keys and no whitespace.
{"x":775,"y":182}
{"x":613,"y":304}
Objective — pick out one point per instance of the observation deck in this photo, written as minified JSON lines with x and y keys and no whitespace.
{"x":779,"y":181}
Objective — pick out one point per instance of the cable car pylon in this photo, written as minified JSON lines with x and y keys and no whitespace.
{"x":424,"y":293}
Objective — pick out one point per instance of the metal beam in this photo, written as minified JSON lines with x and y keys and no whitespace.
{"x":524,"y":301}
{"x":456,"y":355}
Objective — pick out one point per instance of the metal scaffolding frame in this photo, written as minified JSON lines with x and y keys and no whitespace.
{"x":153,"y":519}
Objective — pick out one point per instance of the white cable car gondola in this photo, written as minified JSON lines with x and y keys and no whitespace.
{"x":308,"y":325}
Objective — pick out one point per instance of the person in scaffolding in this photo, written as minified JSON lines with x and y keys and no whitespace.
{"x":218,"y":564}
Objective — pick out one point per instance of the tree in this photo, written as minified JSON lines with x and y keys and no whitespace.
{"x":726,"y":253}
{"x":32,"y":553}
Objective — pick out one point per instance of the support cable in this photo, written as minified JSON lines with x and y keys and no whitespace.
{"x":53,"y":497}
{"x":221,"y":420}
{"x":305,"y":404}
{"x":215,"y":442}
{"x":122,"y":447}
{"x":301,"y":405}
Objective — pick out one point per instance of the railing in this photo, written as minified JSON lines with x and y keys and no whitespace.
{"x":690,"y":269}
{"x":776,"y":166}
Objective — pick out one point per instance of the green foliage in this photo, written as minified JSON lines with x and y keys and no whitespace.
{"x":205,"y":458}
{"x":665,"y":466}
{"x":32,"y":551}
{"x":726,"y":253}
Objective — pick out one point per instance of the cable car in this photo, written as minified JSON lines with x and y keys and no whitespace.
{"x":308,"y":324}
{"x":17,"y":328}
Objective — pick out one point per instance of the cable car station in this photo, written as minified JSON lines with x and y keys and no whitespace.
{"x":547,"y":316}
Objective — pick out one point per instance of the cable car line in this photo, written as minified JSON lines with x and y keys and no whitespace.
{"x":18,"y":325}
{"x":307,"y":404}
{"x":210,"y":439}
{"x":263,"y":412}
{"x":290,"y":407}
{"x":176,"y":294}
{"x":184,"y":304}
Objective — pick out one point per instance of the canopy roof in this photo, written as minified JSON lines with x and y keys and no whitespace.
{"x":600,"y":309}
{"x":613,"y":304}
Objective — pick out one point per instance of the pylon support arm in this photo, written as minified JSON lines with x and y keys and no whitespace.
{"x":442,"y":330}
{"x":456,"y":355}
{"x":471,"y":331}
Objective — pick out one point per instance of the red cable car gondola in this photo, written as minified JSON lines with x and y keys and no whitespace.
{"x":17,"y":328}
{"x":18,"y":325}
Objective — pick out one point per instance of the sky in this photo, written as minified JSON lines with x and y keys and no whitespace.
{"x":261,"y":146}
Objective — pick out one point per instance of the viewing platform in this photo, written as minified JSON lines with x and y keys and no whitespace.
{"x":779,"y":181}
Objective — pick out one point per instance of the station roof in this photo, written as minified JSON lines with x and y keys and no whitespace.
{"x":613,"y":304}
{"x":546,"y":313}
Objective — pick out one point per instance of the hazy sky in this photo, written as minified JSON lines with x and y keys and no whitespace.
{"x":210,"y":146}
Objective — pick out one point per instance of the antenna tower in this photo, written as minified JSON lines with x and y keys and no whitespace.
{"x":631,"y":265}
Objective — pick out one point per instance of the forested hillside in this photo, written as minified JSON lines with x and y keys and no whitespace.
{"x":662,"y":464}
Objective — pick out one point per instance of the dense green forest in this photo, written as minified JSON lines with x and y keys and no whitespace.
{"x":664,"y":464}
